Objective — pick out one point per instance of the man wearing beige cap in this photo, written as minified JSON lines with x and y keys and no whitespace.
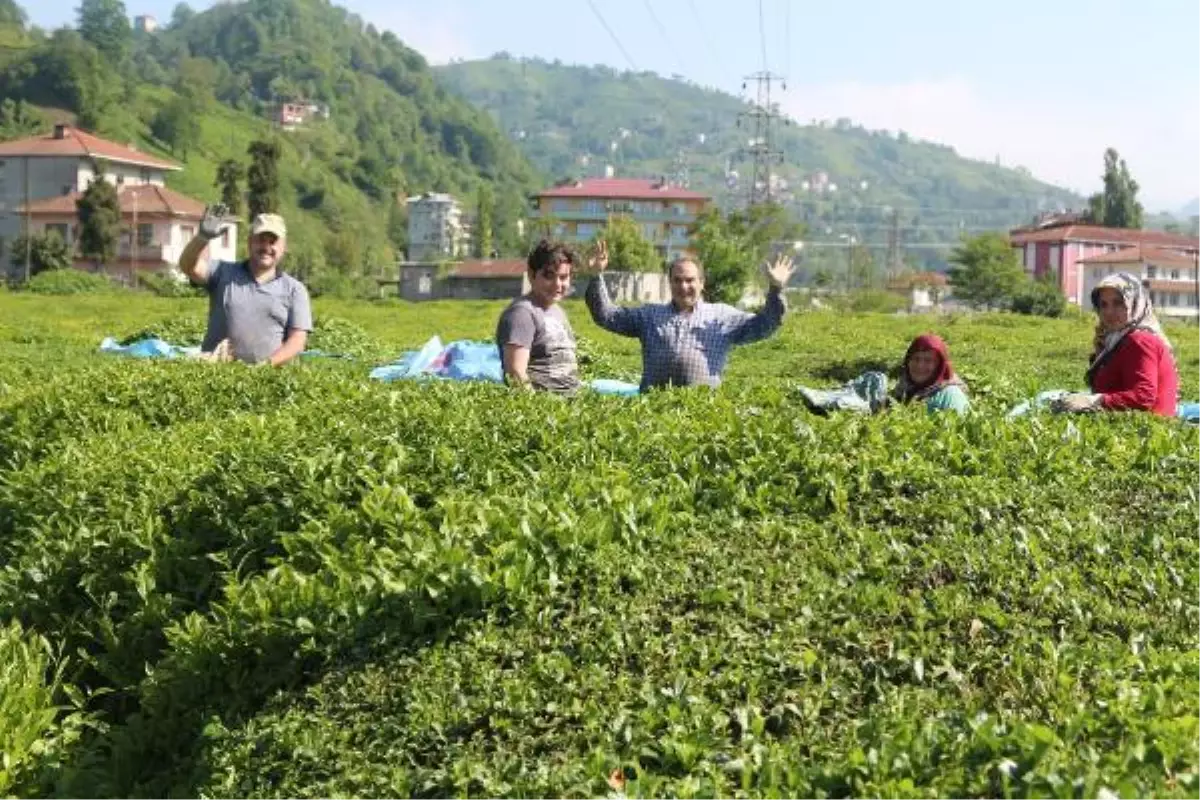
{"x":262,"y":312}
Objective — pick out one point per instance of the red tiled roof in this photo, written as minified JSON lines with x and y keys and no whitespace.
{"x":508,"y":268}
{"x":622,"y":188}
{"x":1140,"y":253}
{"x":1099,"y":233}
{"x":150,"y":200}
{"x":911,"y":279}
{"x":75,"y":142}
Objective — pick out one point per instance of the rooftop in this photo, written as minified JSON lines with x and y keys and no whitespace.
{"x":487,"y":268}
{"x":64,"y":140}
{"x":622,"y":188}
{"x":145,"y":198}
{"x":1101,"y":234}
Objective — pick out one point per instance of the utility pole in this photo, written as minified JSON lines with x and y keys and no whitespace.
{"x":761,"y":146}
{"x":28,"y":225}
{"x":894,"y":264}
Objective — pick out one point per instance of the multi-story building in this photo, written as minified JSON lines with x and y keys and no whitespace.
{"x":1171,"y":276}
{"x":1058,"y":247}
{"x":145,"y":23}
{"x":664,"y":213}
{"x":42,"y":177}
{"x":436,"y":228}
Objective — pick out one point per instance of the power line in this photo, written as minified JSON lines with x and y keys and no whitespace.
{"x":761,"y":147}
{"x":787,"y":38}
{"x":762,"y":35}
{"x":663,"y":32}
{"x":704,"y":34}
{"x":616,"y":41}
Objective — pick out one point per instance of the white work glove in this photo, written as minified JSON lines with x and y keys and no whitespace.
{"x":1077,"y":402}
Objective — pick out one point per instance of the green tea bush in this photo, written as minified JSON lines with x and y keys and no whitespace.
{"x":70,"y":281}
{"x":301,"y":582}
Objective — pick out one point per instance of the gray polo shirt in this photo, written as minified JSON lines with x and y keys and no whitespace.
{"x":255,"y":317}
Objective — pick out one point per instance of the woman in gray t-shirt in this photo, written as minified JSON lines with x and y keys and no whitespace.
{"x":537,"y":345}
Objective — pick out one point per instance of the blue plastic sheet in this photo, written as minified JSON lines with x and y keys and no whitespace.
{"x":147,"y":348}
{"x":609,"y":386}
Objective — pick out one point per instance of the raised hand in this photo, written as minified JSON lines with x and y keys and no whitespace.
{"x":598,"y":261}
{"x":778,"y":271}
{"x":215,"y":221}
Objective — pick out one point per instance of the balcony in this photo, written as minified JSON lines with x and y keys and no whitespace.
{"x":144,"y":252}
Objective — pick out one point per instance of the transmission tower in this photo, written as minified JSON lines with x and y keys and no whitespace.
{"x":761,"y":146}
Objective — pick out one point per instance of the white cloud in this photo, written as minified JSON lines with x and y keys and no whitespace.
{"x":1060,"y":138}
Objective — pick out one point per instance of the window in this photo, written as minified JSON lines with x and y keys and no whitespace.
{"x":58,"y":227}
{"x":424,"y":285}
{"x":145,"y":234}
{"x":650,"y":231}
{"x":560,"y":205}
{"x":188,"y":232}
{"x":1174,"y":274}
{"x":585,"y":230}
{"x":1151,"y":271}
{"x":593,"y":207}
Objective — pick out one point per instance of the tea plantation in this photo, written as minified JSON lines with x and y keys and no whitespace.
{"x":223,"y":581}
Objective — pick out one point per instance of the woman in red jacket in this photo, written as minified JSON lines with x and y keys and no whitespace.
{"x":1132,"y":367}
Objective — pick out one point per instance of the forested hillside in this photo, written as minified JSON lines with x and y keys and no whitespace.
{"x":207,"y":85}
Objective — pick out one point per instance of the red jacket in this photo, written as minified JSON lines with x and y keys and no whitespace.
{"x":1139,"y":375}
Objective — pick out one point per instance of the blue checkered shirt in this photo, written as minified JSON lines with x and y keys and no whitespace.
{"x":682,"y":349}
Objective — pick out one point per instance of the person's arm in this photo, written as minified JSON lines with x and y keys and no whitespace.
{"x":743,"y":328}
{"x":605,"y":313}
{"x":1136,"y":363}
{"x":299,"y":324}
{"x":950,"y":398}
{"x":211,"y":226}
{"x":515,"y":358}
{"x":515,"y":335}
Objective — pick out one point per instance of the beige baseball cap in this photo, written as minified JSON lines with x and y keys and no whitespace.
{"x":269,"y":223}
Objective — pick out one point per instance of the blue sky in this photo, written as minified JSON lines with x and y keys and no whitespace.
{"x":1043,"y":85}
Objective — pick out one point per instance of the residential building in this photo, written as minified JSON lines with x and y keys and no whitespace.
{"x":145,"y":23}
{"x":1170,"y":275}
{"x":41,"y":177}
{"x":293,"y":115}
{"x":436,"y":228}
{"x":664,"y":213}
{"x":1057,"y":250}
{"x":508,"y":278}
{"x":924,"y":291}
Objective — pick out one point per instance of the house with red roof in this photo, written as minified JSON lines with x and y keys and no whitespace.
{"x":1171,"y":276}
{"x":581,"y":208}
{"x":41,"y":177}
{"x":1060,"y":248}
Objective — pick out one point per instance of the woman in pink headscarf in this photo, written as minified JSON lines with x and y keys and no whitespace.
{"x":928,"y":375}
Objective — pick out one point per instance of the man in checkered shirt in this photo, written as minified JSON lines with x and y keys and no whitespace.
{"x":687,"y":341}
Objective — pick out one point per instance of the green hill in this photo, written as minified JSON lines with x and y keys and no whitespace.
{"x":207,"y":85}
{"x":573,"y":120}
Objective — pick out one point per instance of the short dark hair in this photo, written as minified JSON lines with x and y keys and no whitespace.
{"x":685,"y":260}
{"x":547,"y":253}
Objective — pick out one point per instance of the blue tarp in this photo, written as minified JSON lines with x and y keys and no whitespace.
{"x":148,"y":348}
{"x":466,"y":360}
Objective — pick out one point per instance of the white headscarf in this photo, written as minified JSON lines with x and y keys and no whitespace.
{"x":1141,"y":317}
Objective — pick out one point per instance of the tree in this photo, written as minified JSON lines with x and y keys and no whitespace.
{"x":987,"y":272}
{"x":485,"y":219}
{"x":181,"y":15}
{"x":1117,"y":206}
{"x":18,"y":119}
{"x":175,"y":125}
{"x":730,"y":248}
{"x":105,"y":25}
{"x":47,"y":251}
{"x":262,"y":178}
{"x":628,"y":250}
{"x":822,"y":278}
{"x":99,"y":213}
{"x":230,"y":174}
{"x":1040,"y":297}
